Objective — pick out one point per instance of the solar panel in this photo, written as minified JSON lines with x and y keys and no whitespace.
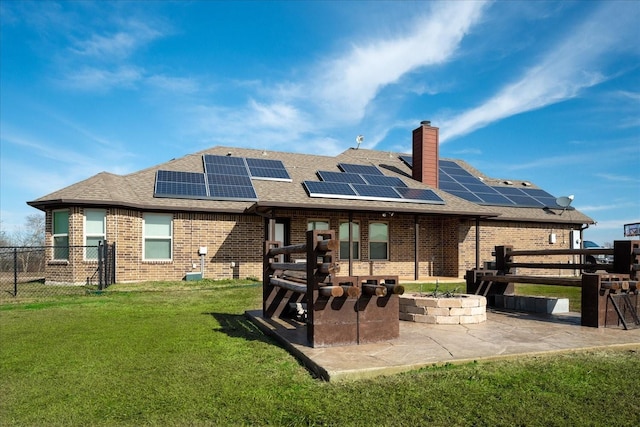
{"x":270,"y":174}
{"x":375,"y":191}
{"x":178,"y":184}
{"x":507,"y":191}
{"x":180,"y":190}
{"x":528,"y":197}
{"x":408,"y":160}
{"x":451,"y":186}
{"x":525,"y":201}
{"x":456,"y":180}
{"x":361,"y":169}
{"x":225,"y":165}
{"x":467,"y":196}
{"x":232,"y":192}
{"x":479,"y":188}
{"x":352,"y":178}
{"x":455,"y":170}
{"x":228,"y":178}
{"x":264,"y":163}
{"x":328,"y":189}
{"x":213,"y":159}
{"x":445,"y":177}
{"x":268,"y":169}
{"x":541,"y":196}
{"x":177,"y":176}
{"x":235,"y":180}
{"x":389,"y":181}
{"x":227,"y":170}
{"x":468,"y":179}
{"x":366,"y":182}
{"x":418,"y":194}
{"x":494,"y":199}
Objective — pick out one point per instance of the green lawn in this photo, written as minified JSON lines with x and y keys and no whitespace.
{"x":183,"y":354}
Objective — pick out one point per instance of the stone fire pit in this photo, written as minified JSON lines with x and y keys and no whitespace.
{"x":454,"y":310}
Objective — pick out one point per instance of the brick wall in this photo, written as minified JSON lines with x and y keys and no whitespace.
{"x":520,"y":236}
{"x":235,"y":244}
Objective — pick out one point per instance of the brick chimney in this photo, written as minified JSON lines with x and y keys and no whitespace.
{"x":425,"y":154}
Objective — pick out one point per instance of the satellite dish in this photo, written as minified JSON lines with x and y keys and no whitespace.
{"x":359,"y":140}
{"x":564,"y":201}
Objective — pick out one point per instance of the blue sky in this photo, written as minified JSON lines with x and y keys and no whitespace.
{"x":542,"y":91}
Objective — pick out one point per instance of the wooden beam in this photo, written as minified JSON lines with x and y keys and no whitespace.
{"x":377,"y":290}
{"x":559,"y":266}
{"x":331,"y":291}
{"x":321,"y":246}
{"x":536,"y":280}
{"x":289,"y":285}
{"x":394,"y":288}
{"x":598,"y":251}
{"x":325,"y":268}
{"x":351,"y":291}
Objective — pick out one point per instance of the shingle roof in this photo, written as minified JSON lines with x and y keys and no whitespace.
{"x":136,"y":190}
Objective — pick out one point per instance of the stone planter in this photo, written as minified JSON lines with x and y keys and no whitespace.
{"x":459,"y":309}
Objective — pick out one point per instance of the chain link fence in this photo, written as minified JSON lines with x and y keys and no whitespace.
{"x":44,"y":271}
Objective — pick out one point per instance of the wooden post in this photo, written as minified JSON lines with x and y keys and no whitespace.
{"x":502,"y":258}
{"x":592,"y":309}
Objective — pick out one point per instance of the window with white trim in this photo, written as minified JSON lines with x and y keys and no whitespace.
{"x":60,"y":233}
{"x":344,"y":240}
{"x":95,"y":229}
{"x":318,"y":225}
{"x":157,"y":237}
{"x":378,"y":241}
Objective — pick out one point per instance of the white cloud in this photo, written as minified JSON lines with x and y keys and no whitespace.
{"x":608,"y":207}
{"x":40,"y":149}
{"x":344,"y":86}
{"x":617,"y":178}
{"x":119,"y":44}
{"x":102,"y":80}
{"x":174,"y":84}
{"x":337,"y":91}
{"x":276,"y":115}
{"x":17,"y":144}
{"x":575,"y":64}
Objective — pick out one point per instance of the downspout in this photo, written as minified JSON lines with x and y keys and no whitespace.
{"x":416,"y":248}
{"x":582,"y":228}
{"x":477,"y":243}
{"x":350,"y":243}
{"x":272,"y":224}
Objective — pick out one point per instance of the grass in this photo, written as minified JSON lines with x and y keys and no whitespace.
{"x":182,"y":353}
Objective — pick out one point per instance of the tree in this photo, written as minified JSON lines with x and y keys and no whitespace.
{"x":33,"y":232}
{"x":32,"y":235}
{"x":4,"y":237}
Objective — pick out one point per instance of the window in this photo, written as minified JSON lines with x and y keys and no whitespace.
{"x":157,"y":231}
{"x":94,"y":232}
{"x":344,"y":240}
{"x":318,"y":225}
{"x":60,"y":234}
{"x":378,"y":240}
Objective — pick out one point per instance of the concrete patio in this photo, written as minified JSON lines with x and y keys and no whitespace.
{"x":505,"y":334}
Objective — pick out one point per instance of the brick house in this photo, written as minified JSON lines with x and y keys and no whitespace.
{"x":422,"y":216}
